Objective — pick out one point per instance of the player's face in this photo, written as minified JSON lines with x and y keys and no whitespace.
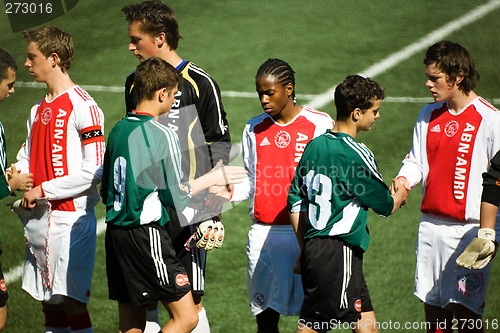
{"x":437,"y":82}
{"x":141,"y":44}
{"x":368,"y":118}
{"x":38,"y":65}
{"x":7,"y":84}
{"x":273,"y":95}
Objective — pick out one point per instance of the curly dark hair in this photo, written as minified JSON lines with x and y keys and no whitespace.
{"x":356,"y":92}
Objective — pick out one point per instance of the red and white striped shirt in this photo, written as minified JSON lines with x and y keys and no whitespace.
{"x":271,"y":152}
{"x":449,"y":154}
{"x":65,"y":149}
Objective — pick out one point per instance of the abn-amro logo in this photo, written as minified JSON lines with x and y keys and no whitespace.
{"x":25,"y":14}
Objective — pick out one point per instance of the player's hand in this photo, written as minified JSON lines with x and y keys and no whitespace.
{"x":18,"y":180}
{"x":480,"y":250}
{"x":29,"y":199}
{"x":224,"y":175}
{"x":209,"y":234}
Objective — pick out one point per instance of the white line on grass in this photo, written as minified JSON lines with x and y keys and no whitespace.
{"x":414,"y":48}
{"x":319,"y":101}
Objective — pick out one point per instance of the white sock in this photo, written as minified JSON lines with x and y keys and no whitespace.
{"x":152,"y":322}
{"x":203,"y":326}
{"x":58,"y":329}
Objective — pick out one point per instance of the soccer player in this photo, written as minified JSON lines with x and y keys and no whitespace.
{"x":142,"y":175}
{"x":273,"y":143}
{"x":336,"y":182}
{"x":482,"y":248}
{"x":11,"y":180}
{"x":64,"y":150}
{"x":198,"y":118}
{"x":453,"y":141}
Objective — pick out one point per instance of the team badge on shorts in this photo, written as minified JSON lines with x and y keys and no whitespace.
{"x":357,"y":305}
{"x":258,"y":299}
{"x":181,"y":280}
{"x":471,"y":284}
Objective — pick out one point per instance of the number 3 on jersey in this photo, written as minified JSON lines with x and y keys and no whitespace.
{"x":319,"y":193}
{"x":119,"y":180}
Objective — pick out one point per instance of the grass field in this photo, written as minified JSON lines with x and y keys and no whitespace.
{"x":323,"y":40}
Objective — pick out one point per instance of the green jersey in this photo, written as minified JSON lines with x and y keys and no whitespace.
{"x":336,"y":181}
{"x":142,"y":173}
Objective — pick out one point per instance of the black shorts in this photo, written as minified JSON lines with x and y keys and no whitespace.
{"x":4,"y":295}
{"x":334,"y":286}
{"x":194,"y":260}
{"x":141,"y":266}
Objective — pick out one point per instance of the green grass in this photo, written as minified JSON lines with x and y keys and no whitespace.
{"x":323,"y":40}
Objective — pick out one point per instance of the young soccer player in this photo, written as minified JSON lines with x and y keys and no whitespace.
{"x":453,"y":141}
{"x":142,"y":176}
{"x":11,"y":180}
{"x":336,"y":182}
{"x":198,"y":118}
{"x":64,"y":151}
{"x":482,"y":248}
{"x":273,"y":143}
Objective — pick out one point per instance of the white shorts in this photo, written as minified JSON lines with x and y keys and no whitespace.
{"x":439,"y":281}
{"x":70,"y":246}
{"x":272,"y":252}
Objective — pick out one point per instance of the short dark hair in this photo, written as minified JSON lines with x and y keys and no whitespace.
{"x":152,"y":75}
{"x":356,"y":92}
{"x":454,"y":60}
{"x":279,"y":69}
{"x":155,"y":17}
{"x":51,"y":39}
{"x":6,"y":62}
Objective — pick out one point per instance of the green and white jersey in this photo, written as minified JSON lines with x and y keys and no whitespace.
{"x":335,"y":183}
{"x":142,"y":173}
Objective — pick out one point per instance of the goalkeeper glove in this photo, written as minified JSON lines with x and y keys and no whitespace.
{"x":209,"y":234}
{"x":480,"y":250}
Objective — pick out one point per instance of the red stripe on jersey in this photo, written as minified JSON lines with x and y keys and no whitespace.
{"x":48,"y":151}
{"x":450,"y":142}
{"x":278,"y":149}
{"x":82,"y":93}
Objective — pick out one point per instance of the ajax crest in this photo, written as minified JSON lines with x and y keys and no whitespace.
{"x":282,"y":139}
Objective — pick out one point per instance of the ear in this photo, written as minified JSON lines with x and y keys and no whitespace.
{"x":289,"y":89}
{"x":54,"y":59}
{"x":460,"y":78}
{"x":356,"y":114}
{"x":160,"y":39}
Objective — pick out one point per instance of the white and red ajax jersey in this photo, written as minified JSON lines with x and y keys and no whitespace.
{"x":449,"y":154}
{"x":65,"y":149}
{"x":271,"y":152}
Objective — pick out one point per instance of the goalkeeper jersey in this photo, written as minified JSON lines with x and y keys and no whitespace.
{"x":336,"y":181}
{"x":198,"y":118}
{"x":491,"y":182}
{"x":142,"y":173}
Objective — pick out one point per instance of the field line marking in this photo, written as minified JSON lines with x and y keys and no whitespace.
{"x":15,"y":273}
{"x":420,"y":45}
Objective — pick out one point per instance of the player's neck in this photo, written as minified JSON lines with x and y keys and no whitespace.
{"x":288,"y":114}
{"x":345,"y":127}
{"x":461,"y":101}
{"x":148,"y":108}
{"x":171,"y":57}
{"x":57,"y":84}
